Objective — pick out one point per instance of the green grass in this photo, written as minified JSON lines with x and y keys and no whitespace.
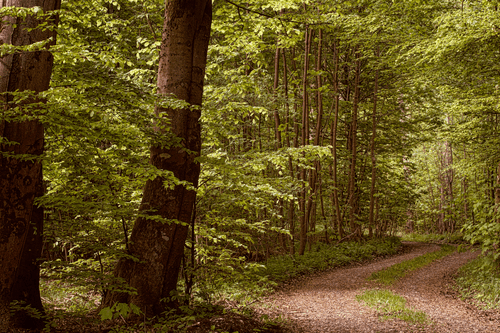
{"x":479,"y":280}
{"x":64,"y":297}
{"x":324,"y":256}
{"x":391,"y":274}
{"x":391,"y":305}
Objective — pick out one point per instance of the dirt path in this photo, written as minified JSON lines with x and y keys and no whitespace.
{"x":327,"y":302}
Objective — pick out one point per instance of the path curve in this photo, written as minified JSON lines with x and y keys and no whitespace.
{"x":327,"y":302}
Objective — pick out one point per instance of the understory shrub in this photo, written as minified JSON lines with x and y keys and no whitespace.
{"x":323,"y":256}
{"x":479,"y":280}
{"x":454,"y":238}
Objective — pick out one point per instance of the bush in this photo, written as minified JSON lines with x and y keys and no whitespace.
{"x":455,"y":238}
{"x":480,"y":280}
{"x":323,"y":256}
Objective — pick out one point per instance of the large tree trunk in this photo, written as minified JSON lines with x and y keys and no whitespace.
{"x":21,"y":221}
{"x":159,"y":245}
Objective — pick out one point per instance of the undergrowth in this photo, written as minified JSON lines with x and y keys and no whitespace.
{"x":59,"y":297}
{"x":245,"y":285}
{"x":391,"y":274}
{"x":391,"y":305}
{"x":454,"y":238}
{"x":323,"y":256}
{"x":479,"y":280}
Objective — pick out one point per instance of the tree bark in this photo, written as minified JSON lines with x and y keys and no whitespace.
{"x":159,"y":245}
{"x":291,"y":206}
{"x":372,"y":221}
{"x":497,"y":201}
{"x":277,"y":121}
{"x":313,"y":174}
{"x":340,"y":229}
{"x":304,"y":136}
{"x":21,"y":220}
{"x":354,"y":131}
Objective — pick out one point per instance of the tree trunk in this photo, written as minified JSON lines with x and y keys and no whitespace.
{"x":313,"y":174}
{"x":291,"y":207}
{"x":497,"y":193}
{"x":354,"y":131}
{"x":372,"y":221}
{"x":277,"y":121}
{"x":21,"y":221}
{"x":340,"y":229}
{"x":159,"y":245}
{"x":304,"y":136}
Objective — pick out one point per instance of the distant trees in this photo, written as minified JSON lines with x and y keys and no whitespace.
{"x":457,"y":172}
{"x":24,"y":73}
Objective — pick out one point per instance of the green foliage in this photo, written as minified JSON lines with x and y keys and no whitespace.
{"x":62,"y":297}
{"x":17,"y":306}
{"x":391,"y":305}
{"x":324,"y":256}
{"x":119,"y":310}
{"x":98,"y":129}
{"x":457,"y":172}
{"x":479,"y":280}
{"x":455,"y":238}
{"x":397,"y":271}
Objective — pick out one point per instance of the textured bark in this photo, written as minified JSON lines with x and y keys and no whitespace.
{"x":160,"y":246}
{"x":21,"y":221}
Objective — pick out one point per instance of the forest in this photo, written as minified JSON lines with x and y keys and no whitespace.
{"x":166,"y":161}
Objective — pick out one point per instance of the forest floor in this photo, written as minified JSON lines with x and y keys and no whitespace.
{"x":326,"y":302}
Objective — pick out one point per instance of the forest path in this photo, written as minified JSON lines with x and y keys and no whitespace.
{"x":327,"y":301}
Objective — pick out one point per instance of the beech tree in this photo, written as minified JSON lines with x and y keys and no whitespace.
{"x":24,"y":73}
{"x":158,"y":244}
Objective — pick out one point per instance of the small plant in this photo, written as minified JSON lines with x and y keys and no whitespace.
{"x":119,"y":310}
{"x":21,"y":306}
{"x":391,"y":305}
{"x":391,"y":274}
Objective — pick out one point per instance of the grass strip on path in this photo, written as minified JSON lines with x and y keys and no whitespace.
{"x":391,"y":305}
{"x":395,"y":272}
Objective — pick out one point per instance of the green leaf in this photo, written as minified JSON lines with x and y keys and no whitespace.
{"x":106,"y":313}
